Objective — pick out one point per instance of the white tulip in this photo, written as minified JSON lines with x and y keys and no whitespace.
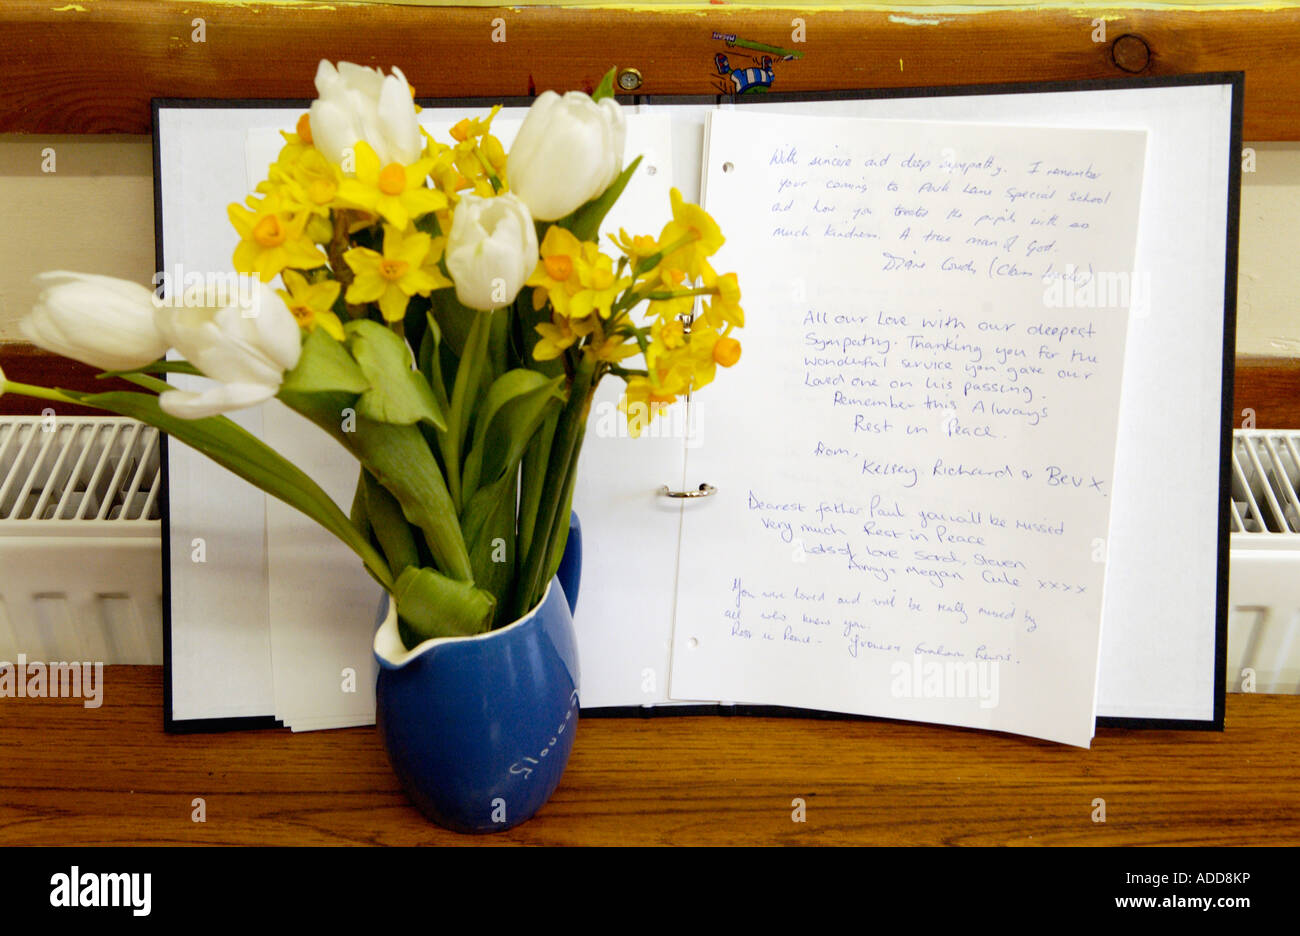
{"x":245,"y":347}
{"x":491,"y":249}
{"x":567,"y":152}
{"x":358,"y":103}
{"x":99,"y":320}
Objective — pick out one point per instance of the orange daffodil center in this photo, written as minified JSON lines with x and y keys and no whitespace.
{"x":269,"y":232}
{"x":273,"y":237}
{"x":559,"y":267}
{"x":392,"y":180}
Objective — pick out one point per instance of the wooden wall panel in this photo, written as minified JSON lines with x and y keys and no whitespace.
{"x":92,"y":67}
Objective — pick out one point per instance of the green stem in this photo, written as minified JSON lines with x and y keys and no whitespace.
{"x":559,"y":469}
{"x":467,"y":379}
{"x":40,"y":393}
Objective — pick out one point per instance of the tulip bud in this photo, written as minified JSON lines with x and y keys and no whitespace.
{"x":357,"y":103}
{"x":245,"y":347}
{"x":491,"y":249}
{"x":99,"y":320}
{"x":568,"y":151}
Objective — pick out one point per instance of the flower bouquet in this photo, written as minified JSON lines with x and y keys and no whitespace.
{"x":444,"y":311}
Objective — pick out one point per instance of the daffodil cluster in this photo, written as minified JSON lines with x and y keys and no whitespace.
{"x":591,"y":297}
{"x":358,"y":231}
{"x":358,"y":236}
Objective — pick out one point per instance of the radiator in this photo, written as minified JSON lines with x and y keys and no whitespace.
{"x":80,"y":547}
{"x":1264,"y":586}
{"x":80,"y":540}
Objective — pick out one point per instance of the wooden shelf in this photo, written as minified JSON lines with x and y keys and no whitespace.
{"x":93,"y":67}
{"x":71,"y":775}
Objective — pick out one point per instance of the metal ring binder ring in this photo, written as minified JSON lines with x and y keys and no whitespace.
{"x":704,"y":490}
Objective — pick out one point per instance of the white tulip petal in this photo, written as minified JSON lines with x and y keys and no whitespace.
{"x":100,"y":320}
{"x":217,"y":399}
{"x":362,"y":78}
{"x":397,"y":117}
{"x":278,"y":334}
{"x":567,"y":152}
{"x":327,"y":77}
{"x":331,"y":130}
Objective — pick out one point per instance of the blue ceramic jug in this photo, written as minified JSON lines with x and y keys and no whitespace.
{"x":479,"y":729}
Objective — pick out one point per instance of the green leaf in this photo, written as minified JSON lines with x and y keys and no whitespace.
{"x":324,"y":366}
{"x":489,"y":525}
{"x":397,"y":394}
{"x":557,"y":492}
{"x":465,"y":391}
{"x":515,"y":406}
{"x":384,"y":515}
{"x":454,"y":319}
{"x":533,"y":478}
{"x":358,"y":512}
{"x":433,"y":605}
{"x":247,"y":456}
{"x":157,"y":367}
{"x":606,"y":87}
{"x":400,"y":459}
{"x":585,"y":222}
{"x":431,"y":361}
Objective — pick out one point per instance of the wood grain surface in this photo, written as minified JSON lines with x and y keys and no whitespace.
{"x":1267,"y":391}
{"x":71,"y":775}
{"x":93,"y":67}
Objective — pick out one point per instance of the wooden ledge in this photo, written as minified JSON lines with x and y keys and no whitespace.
{"x":93,"y":66}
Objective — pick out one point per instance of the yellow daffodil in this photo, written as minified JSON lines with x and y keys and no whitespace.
{"x":431,"y":266}
{"x":391,"y":278}
{"x":478,"y":156}
{"x":724,"y":307}
{"x":312,"y":304}
{"x":446,"y":177}
{"x":600,"y":287}
{"x":726,"y":351}
{"x":671,"y":279}
{"x":272,"y":238}
{"x":642,"y":401}
{"x":557,"y":335}
{"x":556,"y":274}
{"x":696,"y":233}
{"x":575,"y":276}
{"x":471,"y":127}
{"x":310,"y":182}
{"x":395,"y":192}
{"x":611,"y":349}
{"x":636,"y":248}
{"x":297,"y":142}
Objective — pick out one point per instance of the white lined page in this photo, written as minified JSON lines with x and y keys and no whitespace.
{"x":907,"y":396}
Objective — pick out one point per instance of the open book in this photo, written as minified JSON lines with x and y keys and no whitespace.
{"x":979,"y":326}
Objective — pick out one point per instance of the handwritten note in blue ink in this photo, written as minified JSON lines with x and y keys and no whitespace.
{"x":914,"y":455}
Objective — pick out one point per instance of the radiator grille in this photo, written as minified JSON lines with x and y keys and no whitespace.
{"x":69,"y":468}
{"x":1265,"y":472}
